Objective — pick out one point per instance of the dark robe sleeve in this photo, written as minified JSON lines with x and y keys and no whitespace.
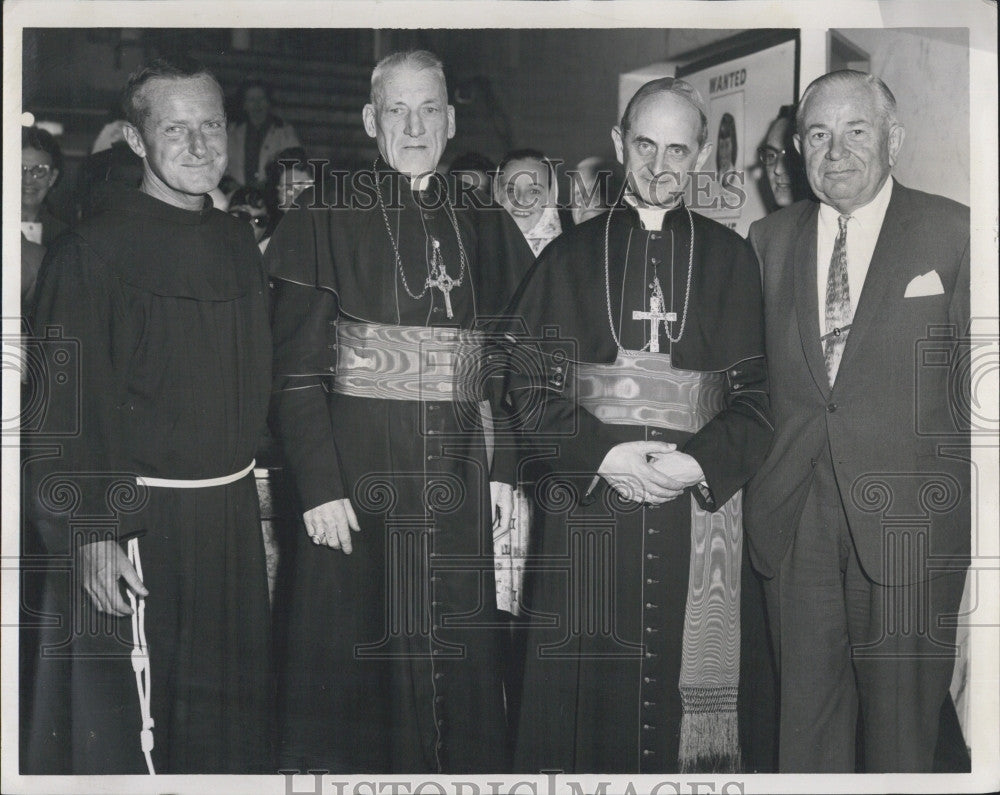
{"x":732,"y":446}
{"x":76,"y":307}
{"x":504,"y":258}
{"x":540,"y":372}
{"x":304,"y":333}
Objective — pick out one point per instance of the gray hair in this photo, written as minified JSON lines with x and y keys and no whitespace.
{"x":884,"y":98}
{"x":414,"y":59}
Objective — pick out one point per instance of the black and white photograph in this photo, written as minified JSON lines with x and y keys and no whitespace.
{"x":500,"y":397}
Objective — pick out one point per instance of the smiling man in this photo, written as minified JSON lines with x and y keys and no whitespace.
{"x":166,"y":297}
{"x":654,"y":401}
{"x":856,"y":286}
{"x":393,"y":660}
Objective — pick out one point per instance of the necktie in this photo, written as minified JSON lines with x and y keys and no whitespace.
{"x":838,"y":303}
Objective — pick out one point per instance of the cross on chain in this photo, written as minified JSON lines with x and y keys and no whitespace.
{"x":441,"y":279}
{"x":655,"y":315}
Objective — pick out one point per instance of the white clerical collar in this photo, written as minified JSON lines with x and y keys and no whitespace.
{"x":421,"y":183}
{"x":32,"y":230}
{"x":651,"y":218}
{"x":869,"y":217}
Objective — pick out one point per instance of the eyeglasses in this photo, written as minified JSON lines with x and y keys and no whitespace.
{"x":256,"y":220}
{"x":769,"y":156}
{"x":37,"y":171}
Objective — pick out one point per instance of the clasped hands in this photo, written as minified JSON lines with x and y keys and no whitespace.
{"x":650,"y":472}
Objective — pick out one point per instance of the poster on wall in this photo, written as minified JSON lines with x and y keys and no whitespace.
{"x":744,"y":86}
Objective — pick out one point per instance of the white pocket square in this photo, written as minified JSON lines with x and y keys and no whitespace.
{"x":928,"y":284}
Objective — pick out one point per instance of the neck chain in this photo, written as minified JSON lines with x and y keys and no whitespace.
{"x":607,"y":287}
{"x":438,"y":273}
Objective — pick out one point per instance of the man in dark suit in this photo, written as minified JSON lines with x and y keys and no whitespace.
{"x":860,"y":517}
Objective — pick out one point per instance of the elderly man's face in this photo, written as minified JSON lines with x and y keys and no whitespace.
{"x":660,"y":149}
{"x":848,"y":146}
{"x":523,"y":191}
{"x":182,"y":141}
{"x":413,"y":121}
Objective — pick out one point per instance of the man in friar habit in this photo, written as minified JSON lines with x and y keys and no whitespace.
{"x":393,"y":660}
{"x":649,"y":386}
{"x":168,"y":669}
{"x":860,"y":517}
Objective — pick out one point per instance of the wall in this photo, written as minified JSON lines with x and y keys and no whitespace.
{"x":928,"y":71}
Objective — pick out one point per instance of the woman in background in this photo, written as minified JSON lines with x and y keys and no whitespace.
{"x":41,"y":166}
{"x":525,"y":186}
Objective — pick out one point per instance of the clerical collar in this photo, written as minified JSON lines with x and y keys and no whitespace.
{"x":421,"y":183}
{"x":651,"y":218}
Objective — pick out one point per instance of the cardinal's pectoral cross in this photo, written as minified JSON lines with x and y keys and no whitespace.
{"x":655,"y":315}
{"x":439,"y":278}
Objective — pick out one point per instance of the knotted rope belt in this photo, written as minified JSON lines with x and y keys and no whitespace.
{"x":645,"y":389}
{"x":140,"y":649}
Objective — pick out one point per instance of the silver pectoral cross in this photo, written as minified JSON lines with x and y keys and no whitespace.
{"x":655,"y":315}
{"x":441,"y":279}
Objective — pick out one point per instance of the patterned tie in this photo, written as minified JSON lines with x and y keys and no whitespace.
{"x":838,"y":303}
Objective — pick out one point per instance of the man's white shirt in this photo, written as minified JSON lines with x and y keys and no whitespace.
{"x":862,"y":234}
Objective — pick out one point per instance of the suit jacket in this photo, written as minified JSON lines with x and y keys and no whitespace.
{"x":895,"y":425}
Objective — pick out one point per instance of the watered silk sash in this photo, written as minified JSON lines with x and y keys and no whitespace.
{"x":408,"y":362}
{"x":645,"y":389}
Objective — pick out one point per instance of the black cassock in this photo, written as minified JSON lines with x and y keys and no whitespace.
{"x":159,"y":357}
{"x":392,"y":663}
{"x":607,"y":579}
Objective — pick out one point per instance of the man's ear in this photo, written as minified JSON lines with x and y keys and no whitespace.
{"x":616,"y":136}
{"x":451,"y":121}
{"x":703,"y":155}
{"x":896,"y":135}
{"x":134,"y":139}
{"x":368,"y":117}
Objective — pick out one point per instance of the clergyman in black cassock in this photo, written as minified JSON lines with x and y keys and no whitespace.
{"x":159,"y":303}
{"x":608,"y":593}
{"x":393,"y":659}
